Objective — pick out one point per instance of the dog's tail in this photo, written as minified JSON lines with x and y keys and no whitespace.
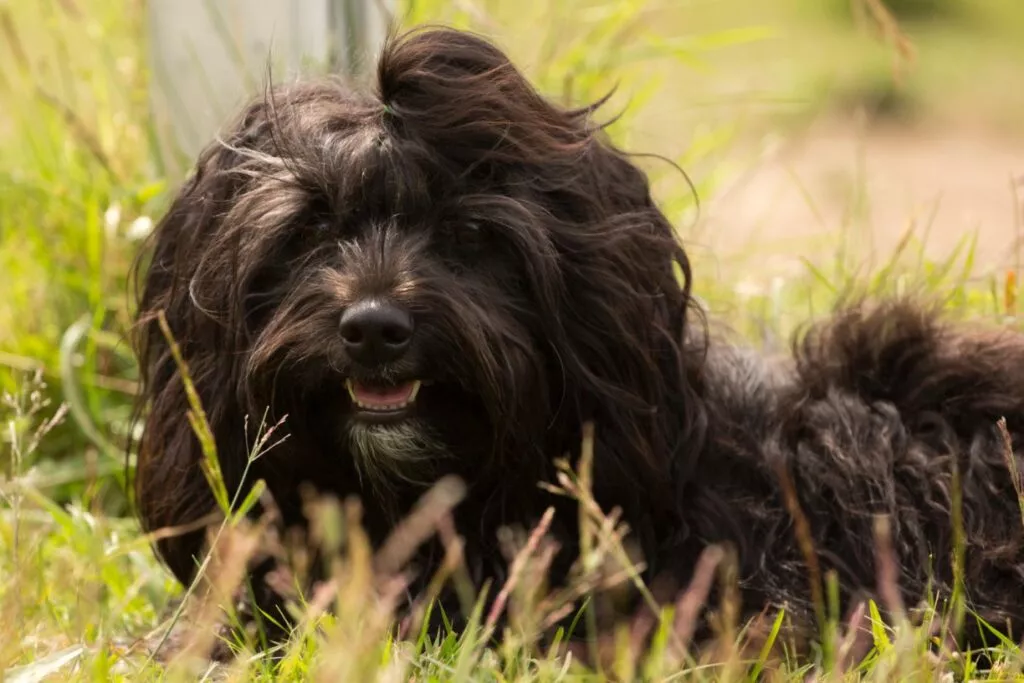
{"x":908,"y":355}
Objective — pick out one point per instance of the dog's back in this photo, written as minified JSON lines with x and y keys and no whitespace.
{"x":885,"y":410}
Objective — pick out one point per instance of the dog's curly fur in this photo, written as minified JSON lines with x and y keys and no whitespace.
{"x":547,"y":290}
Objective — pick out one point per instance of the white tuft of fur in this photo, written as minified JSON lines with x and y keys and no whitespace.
{"x":387,"y":453}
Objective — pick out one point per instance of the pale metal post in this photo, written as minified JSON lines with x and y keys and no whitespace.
{"x":208,"y":57}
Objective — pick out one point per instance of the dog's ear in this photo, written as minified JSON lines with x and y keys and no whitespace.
{"x":619,"y":326}
{"x":176,"y":284}
{"x":622,"y":317}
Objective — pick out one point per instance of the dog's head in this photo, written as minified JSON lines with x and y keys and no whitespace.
{"x":448,"y":270}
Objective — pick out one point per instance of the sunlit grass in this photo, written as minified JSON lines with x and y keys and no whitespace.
{"x":83,"y":594}
{"x":81,"y":180}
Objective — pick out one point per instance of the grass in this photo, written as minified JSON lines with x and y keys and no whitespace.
{"x":81,"y":596}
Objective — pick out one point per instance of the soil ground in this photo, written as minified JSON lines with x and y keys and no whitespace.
{"x":835,"y":183}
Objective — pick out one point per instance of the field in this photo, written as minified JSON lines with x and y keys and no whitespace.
{"x":833,"y":145}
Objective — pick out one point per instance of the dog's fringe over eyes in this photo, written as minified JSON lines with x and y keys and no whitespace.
{"x":449,"y":275}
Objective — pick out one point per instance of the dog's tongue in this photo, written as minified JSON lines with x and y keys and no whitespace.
{"x":383,"y":397}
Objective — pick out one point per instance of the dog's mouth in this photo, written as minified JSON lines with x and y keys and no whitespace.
{"x":379,"y":400}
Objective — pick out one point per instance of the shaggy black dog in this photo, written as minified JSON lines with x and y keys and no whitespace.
{"x":451,"y":275}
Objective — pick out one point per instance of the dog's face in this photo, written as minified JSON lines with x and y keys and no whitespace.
{"x":389,"y":309}
{"x":450,"y":274}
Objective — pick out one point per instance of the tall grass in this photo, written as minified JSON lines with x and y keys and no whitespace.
{"x":85,"y":599}
{"x":81,"y":596}
{"x":75,"y":188}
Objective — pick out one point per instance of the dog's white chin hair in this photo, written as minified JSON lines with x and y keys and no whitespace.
{"x":386,"y":454}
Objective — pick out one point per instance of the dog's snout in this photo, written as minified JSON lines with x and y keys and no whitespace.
{"x":376,"y":332}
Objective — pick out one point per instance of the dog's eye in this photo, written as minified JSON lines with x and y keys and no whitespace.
{"x":319,"y":219}
{"x":322,"y":226}
{"x":462,"y":232}
{"x":310,"y":233}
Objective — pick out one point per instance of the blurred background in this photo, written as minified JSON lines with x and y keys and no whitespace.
{"x":829,"y":143}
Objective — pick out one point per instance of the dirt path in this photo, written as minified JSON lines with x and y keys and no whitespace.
{"x":800,"y":199}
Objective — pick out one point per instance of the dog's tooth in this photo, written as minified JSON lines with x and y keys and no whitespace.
{"x":351,"y":390}
{"x":415,"y":390}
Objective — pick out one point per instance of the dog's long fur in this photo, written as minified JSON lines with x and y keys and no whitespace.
{"x":548,"y":290}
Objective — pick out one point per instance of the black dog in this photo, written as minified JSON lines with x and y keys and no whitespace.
{"x":452,"y":275}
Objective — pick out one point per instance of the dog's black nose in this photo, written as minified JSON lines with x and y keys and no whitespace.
{"x":375,"y":332}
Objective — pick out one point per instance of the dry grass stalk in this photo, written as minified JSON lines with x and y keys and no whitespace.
{"x":519,"y":564}
{"x":805,"y":539}
{"x":1011,"y":463}
{"x":887,"y":571}
{"x":692,"y":601}
{"x":229,"y":559}
{"x":437,"y":503}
